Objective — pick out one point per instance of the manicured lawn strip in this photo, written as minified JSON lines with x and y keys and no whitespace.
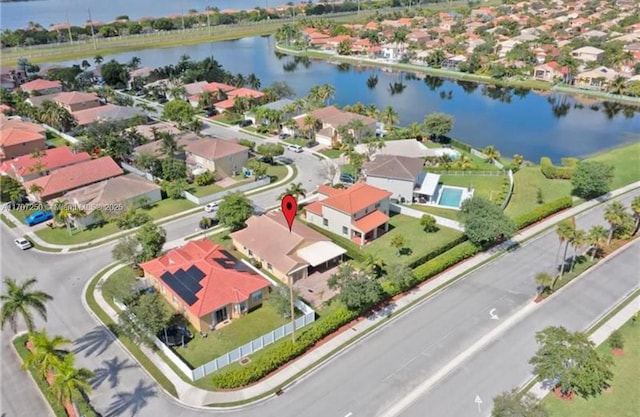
{"x":19,"y":344}
{"x":168,"y":207}
{"x":527,"y":182}
{"x":22,"y":213}
{"x":133,"y":349}
{"x":626,"y":161}
{"x":56,"y":140}
{"x":60,"y":234}
{"x":6,"y":221}
{"x":437,"y":211}
{"x":122,"y":278}
{"x":205,"y":190}
{"x":582,"y":265}
{"x":277,"y":171}
{"x":297,"y":141}
{"x":348,"y":169}
{"x":415,"y":237}
{"x":237,"y":333}
{"x":332,"y":153}
{"x":42,"y":248}
{"x":622,"y":400}
{"x":485,"y":186}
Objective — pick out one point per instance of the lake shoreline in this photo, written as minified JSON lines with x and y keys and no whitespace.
{"x":462,"y":76}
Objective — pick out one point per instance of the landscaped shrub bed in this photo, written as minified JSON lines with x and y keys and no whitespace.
{"x":272,"y":357}
{"x":543,"y":211}
{"x":563,"y":172}
{"x":439,"y":251}
{"x":438,"y":264}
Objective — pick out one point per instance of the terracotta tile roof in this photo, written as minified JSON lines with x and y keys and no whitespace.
{"x":14,"y":136}
{"x":259,"y":234}
{"x":245,"y":92}
{"x":353,"y":199}
{"x":51,"y":159}
{"x":40,"y":84}
{"x":214,"y":87}
{"x":214,"y":148}
{"x":91,"y":115}
{"x":4,"y":108}
{"x":147,"y":130}
{"x":396,"y":167}
{"x":75,"y":97}
{"x":328,"y":191}
{"x":226,"y":104}
{"x":76,"y":176}
{"x":221,"y":285}
{"x":335,"y":117}
{"x":370,"y":221}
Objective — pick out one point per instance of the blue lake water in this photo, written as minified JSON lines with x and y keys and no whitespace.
{"x":524,"y":125}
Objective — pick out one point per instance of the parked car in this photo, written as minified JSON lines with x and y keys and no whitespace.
{"x":283,"y":160}
{"x":246,"y":123}
{"x":38,"y":217}
{"x":208,"y":222}
{"x":211,"y":207}
{"x":23,"y":243}
{"x":295,"y":148}
{"x":162,"y":100}
{"x":212,"y":112}
{"x":347,"y":178}
{"x":283,"y":135}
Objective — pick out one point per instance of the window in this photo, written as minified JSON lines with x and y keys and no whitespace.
{"x":250,"y":252}
{"x":256,"y":297}
{"x":345,"y":230}
{"x":269,"y":267}
{"x":325,"y":222}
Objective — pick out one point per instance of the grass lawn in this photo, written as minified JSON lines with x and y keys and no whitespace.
{"x":622,"y":400}
{"x":277,"y":171}
{"x":332,"y":153}
{"x":485,"y":186}
{"x":205,"y":190}
{"x":23,"y":213}
{"x":437,"y":211}
{"x":60,"y":234}
{"x":6,"y":221}
{"x":297,"y":141}
{"x":122,"y":278}
{"x":415,"y":237}
{"x":528,"y":180}
{"x":348,"y":169}
{"x":239,"y":332}
{"x":56,"y":140}
{"x":626,"y":161}
{"x":169,"y":206}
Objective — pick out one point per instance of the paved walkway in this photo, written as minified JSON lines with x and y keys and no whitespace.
{"x":23,"y":230}
{"x":196,"y":397}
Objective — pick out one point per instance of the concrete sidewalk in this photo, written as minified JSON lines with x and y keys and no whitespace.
{"x":29,"y":232}
{"x":196,"y":397}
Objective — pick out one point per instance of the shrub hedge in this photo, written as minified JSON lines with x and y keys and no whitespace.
{"x":460,"y":145}
{"x":439,"y":251}
{"x":438,"y":264}
{"x":285,"y":350}
{"x":543,"y":211}
{"x":563,"y":172}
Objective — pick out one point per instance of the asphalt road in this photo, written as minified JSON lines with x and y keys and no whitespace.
{"x":365,"y":380}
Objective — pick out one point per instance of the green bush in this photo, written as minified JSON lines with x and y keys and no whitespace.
{"x":274,"y":356}
{"x":205,"y":178}
{"x":437,"y":252}
{"x":563,"y":172}
{"x":543,"y":211}
{"x":460,"y":145}
{"x":438,"y":264}
{"x":248,"y":143}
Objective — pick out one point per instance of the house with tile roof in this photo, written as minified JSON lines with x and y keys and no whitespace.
{"x":588,"y":54}
{"x":224,"y":157}
{"x":18,"y":138}
{"x":551,"y":71}
{"x":42,"y":87}
{"x":76,"y":100}
{"x":69,"y":178}
{"x":294,"y":256}
{"x":330,"y":119}
{"x":399,"y":175}
{"x":206,"y":284}
{"x":359,"y":213}
{"x":32,"y":166}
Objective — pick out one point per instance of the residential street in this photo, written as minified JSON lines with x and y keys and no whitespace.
{"x":378,"y":371}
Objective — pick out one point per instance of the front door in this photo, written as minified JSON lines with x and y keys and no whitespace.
{"x":221,"y":315}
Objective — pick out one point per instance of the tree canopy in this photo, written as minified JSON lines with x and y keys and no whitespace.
{"x":514,"y":404}
{"x":484,"y":222}
{"x":438,"y":124}
{"x":591,"y":179}
{"x":151,"y":238}
{"x":178,"y":111}
{"x":234,"y":210}
{"x":144,"y":318}
{"x":358,"y":291}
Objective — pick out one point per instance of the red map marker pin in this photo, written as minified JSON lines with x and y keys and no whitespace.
{"x":289,"y":207}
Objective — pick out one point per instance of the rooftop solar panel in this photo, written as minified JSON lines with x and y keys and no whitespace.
{"x":179,"y":288}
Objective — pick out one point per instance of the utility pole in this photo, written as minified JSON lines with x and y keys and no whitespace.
{"x":69,"y":28}
{"x":293,"y":316}
{"x":182,"y":13}
{"x":93,"y":33}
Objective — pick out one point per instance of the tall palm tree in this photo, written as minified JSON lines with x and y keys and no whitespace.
{"x":297,"y":190}
{"x":35,"y":189}
{"x":21,"y":301}
{"x":416,"y":130}
{"x":253,"y":81}
{"x":374,"y":264}
{"x":596,"y":237}
{"x":70,"y":381}
{"x":389,"y":117}
{"x":326,"y":92}
{"x":635,"y":209}
{"x":205,"y":100}
{"x":98,"y":59}
{"x":615,"y":215}
{"x":564,"y":231}
{"x":309,"y":122}
{"x":492,"y":153}
{"x":464,"y":163}
{"x":544,"y":281}
{"x":578,"y":240}
{"x":45,"y":352}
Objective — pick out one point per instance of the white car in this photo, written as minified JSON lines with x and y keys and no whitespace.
{"x":211,"y":207}
{"x":295,"y":148}
{"x":23,"y":243}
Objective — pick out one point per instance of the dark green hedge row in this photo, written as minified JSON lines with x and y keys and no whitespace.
{"x":353,"y":250}
{"x":460,"y":145}
{"x":272,"y":357}
{"x":438,"y":264}
{"x":563,"y":172}
{"x":543,"y":211}
{"x":439,"y":251}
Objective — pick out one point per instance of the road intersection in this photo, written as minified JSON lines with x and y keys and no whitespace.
{"x":365,"y":380}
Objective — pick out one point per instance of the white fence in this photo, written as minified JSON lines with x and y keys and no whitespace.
{"x":219,"y":195}
{"x":442,"y":221}
{"x":510,"y":193}
{"x":479,"y":154}
{"x":137,"y":171}
{"x":469,"y":172}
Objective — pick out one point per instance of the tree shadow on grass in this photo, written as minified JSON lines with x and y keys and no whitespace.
{"x":110,"y":371}
{"x":94,"y":342}
{"x":130,"y":403}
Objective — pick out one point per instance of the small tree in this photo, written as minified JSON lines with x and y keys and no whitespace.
{"x":515,"y":404}
{"x":428,"y":223}
{"x":281,"y":301}
{"x":397,"y":242}
{"x":205,"y":178}
{"x":179,"y":111}
{"x":484,"y":222}
{"x":143,"y":319}
{"x":591,"y":179}
{"x":234,"y":210}
{"x":400,"y":276}
{"x":175,"y":189}
{"x":438,"y":124}
{"x":270,"y":150}
{"x":151,"y":238}
{"x":258,"y":169}
{"x":544,"y":281}
{"x":358,"y":291}
{"x":127,"y":250}
{"x":616,"y":340}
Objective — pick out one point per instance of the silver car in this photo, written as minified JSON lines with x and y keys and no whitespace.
{"x":23,"y":243}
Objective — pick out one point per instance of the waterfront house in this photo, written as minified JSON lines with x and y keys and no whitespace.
{"x":588,"y":54}
{"x":330,"y":119}
{"x":279,"y":105}
{"x":31,"y":166}
{"x":206,"y":284}
{"x":294,"y":255}
{"x":409,"y":148}
{"x":399,"y":175}
{"x":453,"y":63}
{"x":41,"y":87}
{"x":551,"y":71}
{"x":18,"y":137}
{"x":596,"y":79}
{"x":359,"y":213}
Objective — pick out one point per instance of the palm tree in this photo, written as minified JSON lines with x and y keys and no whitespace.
{"x":296,"y":190}
{"x":85,"y":64}
{"x":564,"y":231}
{"x":45,"y":352}
{"x":596,"y":237}
{"x":635,"y":208}
{"x":169,"y":146}
{"x":615,"y":215}
{"x":492,"y":153}
{"x":389,"y":117}
{"x":134,"y":62}
{"x":253,"y":81}
{"x":98,"y":59}
{"x":66,"y":213}
{"x":518,"y":159}
{"x":326,"y":92}
{"x":416,"y":130}
{"x":373,"y":264}
{"x":578,"y":240}
{"x":70,"y":381}
{"x":309,"y":122}
{"x":20,"y":300}
{"x":464,"y":163}
{"x":618,"y":85}
{"x":205,"y":100}
{"x":544,"y":281}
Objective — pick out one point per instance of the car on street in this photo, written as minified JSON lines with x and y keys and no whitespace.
{"x":23,"y":243}
{"x":295,"y":148}
{"x":246,"y":123}
{"x":162,"y":100}
{"x":38,"y":217}
{"x":347,"y":178}
{"x":211,"y":207}
{"x":283,"y":135}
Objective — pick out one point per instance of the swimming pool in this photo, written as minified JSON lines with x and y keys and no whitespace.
{"x":450,"y":197}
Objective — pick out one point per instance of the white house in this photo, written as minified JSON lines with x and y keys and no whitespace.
{"x":397,"y":174}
